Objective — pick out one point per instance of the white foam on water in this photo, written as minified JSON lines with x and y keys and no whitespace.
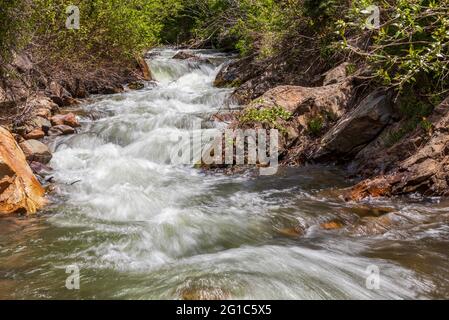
{"x":175,"y":226}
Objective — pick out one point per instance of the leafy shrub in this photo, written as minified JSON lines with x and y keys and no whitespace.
{"x":315,"y":125}
{"x":411,"y":47}
{"x":415,"y":113}
{"x":13,"y":27}
{"x":265,"y":115}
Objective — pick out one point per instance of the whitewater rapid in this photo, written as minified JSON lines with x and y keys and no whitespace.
{"x":138,"y":226}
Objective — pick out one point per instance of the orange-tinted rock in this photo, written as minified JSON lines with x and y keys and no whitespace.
{"x":369,"y":211}
{"x":146,"y":73}
{"x":20,"y":191}
{"x":36,"y":134}
{"x":291,"y":232}
{"x":379,"y":187}
{"x":68,"y":119}
{"x":333,"y":225}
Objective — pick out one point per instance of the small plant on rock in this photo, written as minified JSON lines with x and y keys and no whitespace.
{"x":316,"y":125}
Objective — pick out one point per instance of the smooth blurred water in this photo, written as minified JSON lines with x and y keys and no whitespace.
{"x":139,"y":227}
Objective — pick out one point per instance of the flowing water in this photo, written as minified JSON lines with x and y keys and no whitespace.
{"x":139,"y":227}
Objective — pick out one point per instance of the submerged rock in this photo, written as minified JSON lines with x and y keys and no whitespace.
{"x":204,"y":294}
{"x":20,"y":191}
{"x":332,"y":225}
{"x":184,"y":55}
{"x":294,"y":232}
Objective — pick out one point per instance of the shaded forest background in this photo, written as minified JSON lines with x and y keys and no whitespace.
{"x":409,"y":51}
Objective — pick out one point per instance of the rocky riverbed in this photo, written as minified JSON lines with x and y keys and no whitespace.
{"x":138,"y":226}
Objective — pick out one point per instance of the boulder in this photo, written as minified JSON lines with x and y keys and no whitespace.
{"x":18,"y":138}
{"x":184,"y":55}
{"x":35,"y":150}
{"x":378,"y":187}
{"x":58,"y":100}
{"x":422,"y":169}
{"x":68,"y":119}
{"x":80,"y":90}
{"x":235,"y":73}
{"x":22,"y":63}
{"x":70,"y":101}
{"x":332,"y":225}
{"x":36,"y":134}
{"x":39,"y":123}
{"x":60,"y":130}
{"x":42,"y":102}
{"x":43,"y":113}
{"x":357,"y":128}
{"x":336,"y":75}
{"x":145,"y":68}
{"x":299,"y":100}
{"x":20,"y":191}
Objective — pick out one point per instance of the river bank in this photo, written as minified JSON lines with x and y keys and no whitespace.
{"x":396,"y":143}
{"x":40,"y":104}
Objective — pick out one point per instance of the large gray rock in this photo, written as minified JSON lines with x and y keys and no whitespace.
{"x":337,"y":75}
{"x":358,"y":128}
{"x":35,"y":150}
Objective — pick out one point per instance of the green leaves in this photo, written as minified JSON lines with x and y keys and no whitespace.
{"x":411,"y":47}
{"x":265,"y":115}
{"x":111,"y":29}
